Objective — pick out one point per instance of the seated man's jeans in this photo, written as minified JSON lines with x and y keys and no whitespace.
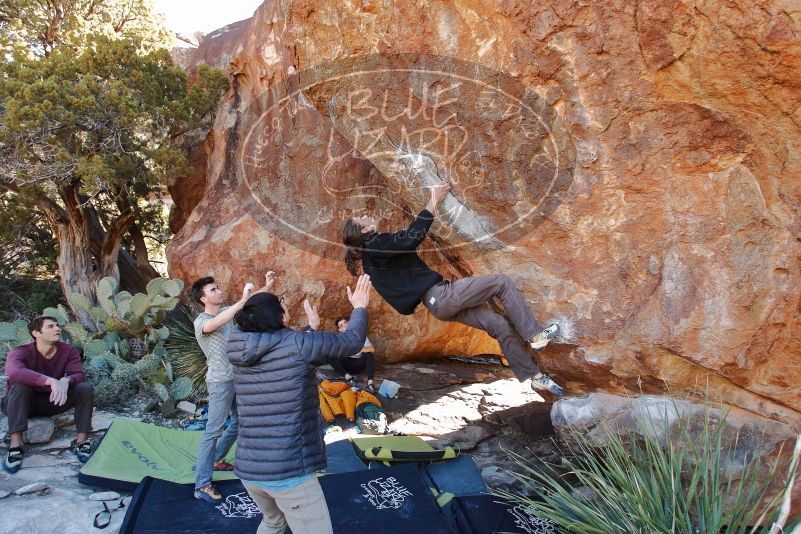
{"x":22,"y":402}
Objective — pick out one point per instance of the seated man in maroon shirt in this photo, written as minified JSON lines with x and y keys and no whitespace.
{"x":46,"y":378}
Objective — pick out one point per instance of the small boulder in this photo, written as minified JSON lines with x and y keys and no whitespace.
{"x":65,"y":420}
{"x":102,"y":420}
{"x":186,"y":406}
{"x":60,"y":444}
{"x":36,"y":487}
{"x":40,"y":430}
{"x":495,"y":477}
{"x":104,"y":496}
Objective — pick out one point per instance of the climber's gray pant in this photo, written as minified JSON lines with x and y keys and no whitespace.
{"x":467,"y":300}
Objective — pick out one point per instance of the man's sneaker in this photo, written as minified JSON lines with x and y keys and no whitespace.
{"x":539,"y":341}
{"x":222,"y":465}
{"x":370,"y":388}
{"x":208,"y":493}
{"x":13,"y":460}
{"x":82,"y":450}
{"x":545,"y":382}
{"x":352,"y":382}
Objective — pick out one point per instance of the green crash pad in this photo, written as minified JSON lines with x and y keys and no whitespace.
{"x":131,"y":450}
{"x":399,"y":449}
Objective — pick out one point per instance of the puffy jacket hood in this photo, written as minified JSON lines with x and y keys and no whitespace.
{"x":257,"y":344}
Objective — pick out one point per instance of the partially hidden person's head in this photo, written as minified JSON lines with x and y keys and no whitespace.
{"x":205,"y":291}
{"x":342,"y":324}
{"x":44,"y":328}
{"x":263,"y":312}
{"x":354,"y":234}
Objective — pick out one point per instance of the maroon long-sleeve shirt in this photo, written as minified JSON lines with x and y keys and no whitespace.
{"x":25,"y":365}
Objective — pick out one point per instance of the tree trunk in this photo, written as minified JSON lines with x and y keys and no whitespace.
{"x":110,"y":247}
{"x":131,"y":275}
{"x":75,"y":267}
{"x":140,"y":251}
{"x":75,"y":260}
{"x":87,"y":251}
{"x":132,"y":278}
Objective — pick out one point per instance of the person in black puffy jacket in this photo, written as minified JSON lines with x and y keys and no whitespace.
{"x":280,"y":443}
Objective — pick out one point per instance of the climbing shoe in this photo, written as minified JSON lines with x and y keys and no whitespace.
{"x":13,"y":460}
{"x":208,"y":493}
{"x":544,"y":382}
{"x":82,"y":450}
{"x":542,"y":339}
{"x":222,"y":465}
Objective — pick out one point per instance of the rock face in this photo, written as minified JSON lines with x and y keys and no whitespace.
{"x":632,"y":165}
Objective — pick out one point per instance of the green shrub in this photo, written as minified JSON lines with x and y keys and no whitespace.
{"x":12,"y":335}
{"x":24,"y":297}
{"x":184,"y":352}
{"x":639,"y":485}
{"x":110,"y":391}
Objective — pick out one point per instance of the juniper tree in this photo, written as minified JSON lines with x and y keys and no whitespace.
{"x":87,"y":138}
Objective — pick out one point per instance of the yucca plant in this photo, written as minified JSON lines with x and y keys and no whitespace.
{"x":681,"y":483}
{"x":184,"y":353}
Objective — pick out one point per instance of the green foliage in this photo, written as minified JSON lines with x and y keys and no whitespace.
{"x":87,"y":138}
{"x":640,"y":485}
{"x":40,"y":27}
{"x":170,"y":393}
{"x":181,"y":388}
{"x":59,"y":313}
{"x":184,"y":352}
{"x":128,"y":346}
{"x":12,"y":335}
{"x":105,"y":116}
{"x":110,"y":391}
{"x":28,"y":249}
{"x":24,"y":297}
{"x":136,"y":317}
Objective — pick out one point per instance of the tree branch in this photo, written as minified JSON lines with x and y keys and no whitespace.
{"x":139,"y":247}
{"x":69,"y":194}
{"x":111,"y":244}
{"x":55,"y":214}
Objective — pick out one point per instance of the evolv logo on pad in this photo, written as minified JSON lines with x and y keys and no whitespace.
{"x":142,"y":458}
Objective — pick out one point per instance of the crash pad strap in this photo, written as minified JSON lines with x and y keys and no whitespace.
{"x":399,"y":449}
{"x":106,"y":513}
{"x":390,"y":455}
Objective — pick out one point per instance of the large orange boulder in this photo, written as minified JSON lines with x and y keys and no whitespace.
{"x":634,"y":166}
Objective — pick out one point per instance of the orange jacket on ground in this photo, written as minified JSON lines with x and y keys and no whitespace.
{"x":336,"y":398}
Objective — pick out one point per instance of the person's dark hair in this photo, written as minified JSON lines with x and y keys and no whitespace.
{"x":196,"y":289}
{"x":336,"y":323}
{"x":261,"y":313}
{"x":354,"y":239}
{"x":37,"y":323}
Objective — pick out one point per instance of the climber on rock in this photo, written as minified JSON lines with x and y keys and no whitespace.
{"x":404,"y":280}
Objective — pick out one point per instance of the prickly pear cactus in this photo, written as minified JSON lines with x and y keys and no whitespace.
{"x":13,"y":335}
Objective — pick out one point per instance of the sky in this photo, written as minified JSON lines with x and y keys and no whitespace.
{"x":188,"y":16}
